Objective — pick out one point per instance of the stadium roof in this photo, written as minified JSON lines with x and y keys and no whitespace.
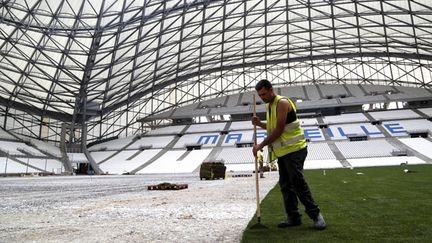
{"x":117,"y":60}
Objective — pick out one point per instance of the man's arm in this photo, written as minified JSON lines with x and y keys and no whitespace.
{"x":283,"y":108}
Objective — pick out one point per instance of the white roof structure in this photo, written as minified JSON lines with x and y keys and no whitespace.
{"x":100,"y":67}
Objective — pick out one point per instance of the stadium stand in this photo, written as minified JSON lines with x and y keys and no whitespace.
{"x":313,"y":133}
{"x":427,"y":111}
{"x":147,"y":152}
{"x":293,"y":92}
{"x":122,"y":164}
{"x":320,"y":151}
{"x":362,"y":100}
{"x":212,"y":127}
{"x":403,"y":127}
{"x":341,"y":131}
{"x":240,"y":167}
{"x":312,"y":92}
{"x":355,"y":90}
{"x":407,"y":93}
{"x":308,"y":121}
{"x":49,"y":165}
{"x":420,"y":145}
{"x":333,"y":91}
{"x":212,"y":103}
{"x":151,"y":142}
{"x":77,"y":158}
{"x":169,"y":130}
{"x":99,"y":156}
{"x":189,"y":109}
{"x":345,"y":118}
{"x":233,"y":100}
{"x":394,"y":114}
{"x":378,"y":89}
{"x":307,"y":104}
{"x":169,"y":163}
{"x":115,"y":144}
{"x":46,"y":147}
{"x":241,"y":125}
{"x":18,"y":149}
{"x":238,"y":155}
{"x":365,"y":149}
{"x":231,"y":110}
{"x":244,"y":136}
{"x":205,"y":139}
{"x":247,"y":98}
{"x":321,"y":155}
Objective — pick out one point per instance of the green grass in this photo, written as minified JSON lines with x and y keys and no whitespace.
{"x":381,"y":205}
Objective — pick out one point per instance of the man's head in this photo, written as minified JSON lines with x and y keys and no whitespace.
{"x":265,"y":90}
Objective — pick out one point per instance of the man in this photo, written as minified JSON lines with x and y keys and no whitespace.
{"x":261,"y":162}
{"x":286,"y":142}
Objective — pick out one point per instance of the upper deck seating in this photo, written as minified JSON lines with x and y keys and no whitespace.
{"x":427,"y":111}
{"x":169,"y":130}
{"x":355,"y":90}
{"x":293,"y":92}
{"x":207,"y":127}
{"x":345,"y":118}
{"x":394,"y":114}
{"x":312,"y":92}
{"x":151,"y":142}
{"x":330,"y":90}
{"x":115,"y":144}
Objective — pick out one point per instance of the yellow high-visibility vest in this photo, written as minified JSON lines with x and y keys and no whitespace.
{"x":292,"y":138}
{"x":260,"y":158}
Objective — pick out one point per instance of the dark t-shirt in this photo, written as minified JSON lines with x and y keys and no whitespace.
{"x":291,"y":116}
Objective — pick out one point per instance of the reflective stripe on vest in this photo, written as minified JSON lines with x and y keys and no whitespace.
{"x":288,"y":142}
{"x":292,"y":138}
{"x":290,"y":126}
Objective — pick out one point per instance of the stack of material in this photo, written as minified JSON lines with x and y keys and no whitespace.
{"x":212,"y":170}
{"x":167,"y":186}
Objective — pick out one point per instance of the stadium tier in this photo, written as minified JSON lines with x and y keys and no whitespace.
{"x":166,"y":150}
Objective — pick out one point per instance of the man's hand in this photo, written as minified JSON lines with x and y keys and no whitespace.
{"x":256,"y":121}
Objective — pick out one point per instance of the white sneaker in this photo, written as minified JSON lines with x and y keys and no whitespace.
{"x":319,"y":222}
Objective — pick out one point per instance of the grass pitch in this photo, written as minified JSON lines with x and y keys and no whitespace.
{"x":379,"y":204}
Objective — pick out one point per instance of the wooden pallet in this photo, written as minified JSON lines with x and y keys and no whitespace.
{"x":242,"y":175}
{"x":167,"y":186}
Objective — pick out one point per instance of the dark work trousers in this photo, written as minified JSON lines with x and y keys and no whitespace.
{"x":293,"y":185}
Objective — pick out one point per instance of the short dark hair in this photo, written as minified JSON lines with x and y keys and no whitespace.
{"x":263,"y":83}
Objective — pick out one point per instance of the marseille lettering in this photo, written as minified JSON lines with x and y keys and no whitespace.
{"x":310,"y":132}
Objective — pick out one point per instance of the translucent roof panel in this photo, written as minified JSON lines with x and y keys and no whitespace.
{"x":62,"y":56}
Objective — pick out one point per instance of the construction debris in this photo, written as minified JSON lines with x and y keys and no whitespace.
{"x":242,"y":175}
{"x":167,"y":186}
{"x":212,"y":170}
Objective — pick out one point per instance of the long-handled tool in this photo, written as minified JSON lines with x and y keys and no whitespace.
{"x":258,"y":210}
